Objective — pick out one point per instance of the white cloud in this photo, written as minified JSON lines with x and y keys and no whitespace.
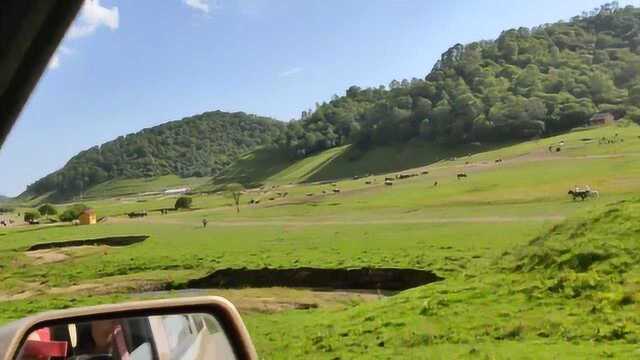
{"x":92,"y":16}
{"x":54,"y":62}
{"x":291,"y":72}
{"x":65,"y":50}
{"x":202,"y":5}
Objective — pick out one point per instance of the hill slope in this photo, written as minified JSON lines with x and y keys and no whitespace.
{"x":272,"y":166}
{"x":526,"y":83}
{"x":200,"y":145}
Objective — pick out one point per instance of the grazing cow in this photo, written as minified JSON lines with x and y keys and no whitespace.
{"x":368,"y":182}
{"x":309,"y":194}
{"x":435,"y":183}
{"x":461,"y":175}
{"x":388,"y":182}
{"x":285,"y":194}
{"x":558,"y":149}
{"x":356,"y":177}
{"x":466,"y":163}
{"x":336,"y":191}
{"x":406,"y":176}
{"x":137,"y":214}
{"x":271,"y":198}
{"x":498,"y":161}
{"x":389,"y":179}
{"x":424,"y":172}
{"x":581,"y":194}
{"x":252,"y":201}
{"x":3,"y":223}
{"x":324,"y":191}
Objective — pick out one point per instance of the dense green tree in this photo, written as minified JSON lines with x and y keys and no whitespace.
{"x":47,"y":209}
{"x":30,"y":216}
{"x":183,"y":202}
{"x":72,"y":212}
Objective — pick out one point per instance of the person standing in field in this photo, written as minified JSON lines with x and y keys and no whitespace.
{"x":204,"y":223}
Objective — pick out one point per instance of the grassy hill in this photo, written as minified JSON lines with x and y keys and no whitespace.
{"x":120,"y":187}
{"x":272,"y":167}
{"x":574,"y":290}
{"x":197,"y":146}
{"x":527,"y":83}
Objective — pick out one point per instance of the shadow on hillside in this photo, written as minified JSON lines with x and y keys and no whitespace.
{"x":392,"y":158}
{"x":254,"y":168}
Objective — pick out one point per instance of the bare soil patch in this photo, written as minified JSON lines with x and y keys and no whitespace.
{"x":46,"y":256}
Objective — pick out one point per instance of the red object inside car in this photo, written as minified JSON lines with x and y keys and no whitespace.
{"x":44,"y":349}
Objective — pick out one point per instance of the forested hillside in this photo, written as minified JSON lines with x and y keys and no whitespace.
{"x":526,"y":83}
{"x":200,"y":145}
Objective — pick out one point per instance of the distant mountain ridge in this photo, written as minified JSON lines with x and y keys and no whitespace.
{"x":200,"y":145}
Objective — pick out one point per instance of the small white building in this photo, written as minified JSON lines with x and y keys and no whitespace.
{"x":177,"y":191}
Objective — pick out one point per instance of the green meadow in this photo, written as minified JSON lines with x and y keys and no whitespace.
{"x":528,"y":272}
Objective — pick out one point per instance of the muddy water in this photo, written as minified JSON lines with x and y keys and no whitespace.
{"x":110,"y":241}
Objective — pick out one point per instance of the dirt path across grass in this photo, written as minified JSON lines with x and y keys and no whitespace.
{"x":293,"y":222}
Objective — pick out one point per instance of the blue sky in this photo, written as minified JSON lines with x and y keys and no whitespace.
{"x":127,"y":65}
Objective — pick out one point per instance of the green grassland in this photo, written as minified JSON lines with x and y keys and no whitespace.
{"x":571,"y":293}
{"x":270,"y":166}
{"x":529,"y":273}
{"x":122,"y":187}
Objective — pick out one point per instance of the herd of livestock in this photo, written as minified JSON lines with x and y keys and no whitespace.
{"x":577,"y":193}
